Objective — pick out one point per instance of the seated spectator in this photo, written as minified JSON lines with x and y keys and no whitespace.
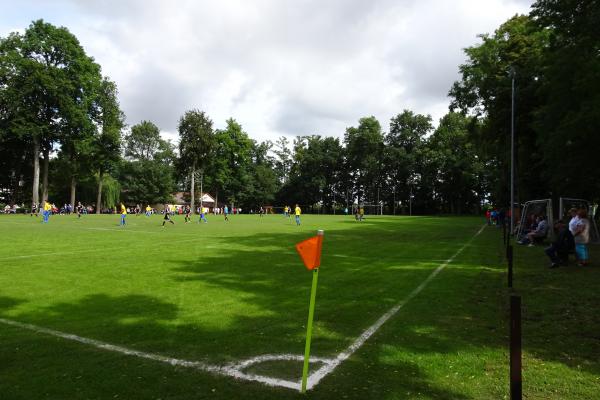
{"x":559,"y":250}
{"x":540,"y":232}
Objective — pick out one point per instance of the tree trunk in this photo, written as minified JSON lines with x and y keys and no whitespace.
{"x":216,"y":198}
{"x":73,"y":187}
{"x":35,"y":198}
{"x":201,"y":193}
{"x":193,"y":188}
{"x":99,"y":198}
{"x":46,"y":153}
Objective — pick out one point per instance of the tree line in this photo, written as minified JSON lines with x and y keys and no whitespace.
{"x":62,"y":132}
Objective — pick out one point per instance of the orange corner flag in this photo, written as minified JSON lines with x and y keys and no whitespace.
{"x":310,"y":251}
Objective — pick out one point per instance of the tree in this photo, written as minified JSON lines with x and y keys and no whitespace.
{"x":47,"y":86}
{"x":315,"y":172}
{"x":147,"y":175}
{"x":484,"y":93}
{"x":144,"y":142}
{"x":568,"y":116}
{"x":232,"y":162}
{"x":196,"y":144}
{"x":263,"y":181}
{"x":457,"y":171}
{"x":107,"y":141}
{"x":403,"y":154}
{"x":364,"y":154}
{"x":283,"y":160}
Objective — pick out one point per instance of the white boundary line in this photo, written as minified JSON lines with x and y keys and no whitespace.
{"x":328,"y":368}
{"x":235,"y":370}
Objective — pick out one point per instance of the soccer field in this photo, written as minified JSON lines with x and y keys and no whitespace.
{"x":407,"y":307}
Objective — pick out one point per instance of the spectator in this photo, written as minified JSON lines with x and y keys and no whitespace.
{"x":574,"y":220}
{"x":582,"y":237}
{"x":540,"y":232}
{"x":559,"y":250}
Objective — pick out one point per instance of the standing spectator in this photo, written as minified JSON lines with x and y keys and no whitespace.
{"x":582,"y":238}
{"x":574,"y":220}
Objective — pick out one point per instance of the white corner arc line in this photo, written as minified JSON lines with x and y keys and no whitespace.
{"x":328,"y":368}
{"x":227,"y":370}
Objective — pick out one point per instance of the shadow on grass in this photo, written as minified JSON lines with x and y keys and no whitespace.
{"x":462,"y":311}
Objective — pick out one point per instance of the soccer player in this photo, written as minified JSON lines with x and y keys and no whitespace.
{"x":167,"y":217}
{"x":148,"y":210}
{"x":47,"y":211}
{"x":123,"y":215}
{"x":188,"y":212}
{"x":79,"y":209}
{"x":298,"y":211}
{"x":261,"y":211}
{"x":226,"y":212}
{"x":34,"y":209}
{"x":202,"y":215}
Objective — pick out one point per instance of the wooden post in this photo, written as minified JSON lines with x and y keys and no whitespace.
{"x":509,"y":257}
{"x":516,"y":381}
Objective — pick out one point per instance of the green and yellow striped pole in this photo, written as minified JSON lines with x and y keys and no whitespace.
{"x":311,"y":312}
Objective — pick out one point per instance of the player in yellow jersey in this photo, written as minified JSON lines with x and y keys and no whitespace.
{"x":148,"y":210}
{"x":297,"y":211}
{"x":47,"y":211}
{"x":123,"y":214}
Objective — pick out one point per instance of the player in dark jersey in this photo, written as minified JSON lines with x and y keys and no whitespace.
{"x":167,"y":217}
{"x":188,"y":213}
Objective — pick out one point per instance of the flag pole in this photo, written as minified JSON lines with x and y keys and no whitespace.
{"x":311,"y":314}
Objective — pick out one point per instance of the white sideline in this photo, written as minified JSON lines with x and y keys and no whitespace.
{"x":328,"y":368}
{"x":236,"y":370}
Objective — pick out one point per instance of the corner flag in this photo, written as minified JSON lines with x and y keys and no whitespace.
{"x":310,"y":252}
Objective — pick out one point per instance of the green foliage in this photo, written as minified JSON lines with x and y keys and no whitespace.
{"x":458,"y":185}
{"x":111,"y":191}
{"x":196,"y":140}
{"x":148,"y":173}
{"x":364,"y":155}
{"x":568,"y":117}
{"x":485,"y":93}
{"x":48,"y":86}
{"x":231,"y":166}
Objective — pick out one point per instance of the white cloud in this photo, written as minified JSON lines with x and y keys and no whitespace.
{"x":278,"y":67}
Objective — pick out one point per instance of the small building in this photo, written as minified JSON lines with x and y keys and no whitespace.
{"x":183,"y":198}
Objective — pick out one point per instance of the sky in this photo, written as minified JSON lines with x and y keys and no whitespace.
{"x":278,"y":67}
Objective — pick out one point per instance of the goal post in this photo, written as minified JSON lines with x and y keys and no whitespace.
{"x":535,"y":208}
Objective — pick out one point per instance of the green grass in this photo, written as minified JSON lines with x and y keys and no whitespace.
{"x":222,"y":292}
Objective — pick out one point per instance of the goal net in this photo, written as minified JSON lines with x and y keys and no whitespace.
{"x":533,"y":209}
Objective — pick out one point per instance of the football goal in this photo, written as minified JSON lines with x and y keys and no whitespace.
{"x":536,"y":208}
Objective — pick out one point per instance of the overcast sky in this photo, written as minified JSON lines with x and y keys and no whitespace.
{"x":278,"y":67}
